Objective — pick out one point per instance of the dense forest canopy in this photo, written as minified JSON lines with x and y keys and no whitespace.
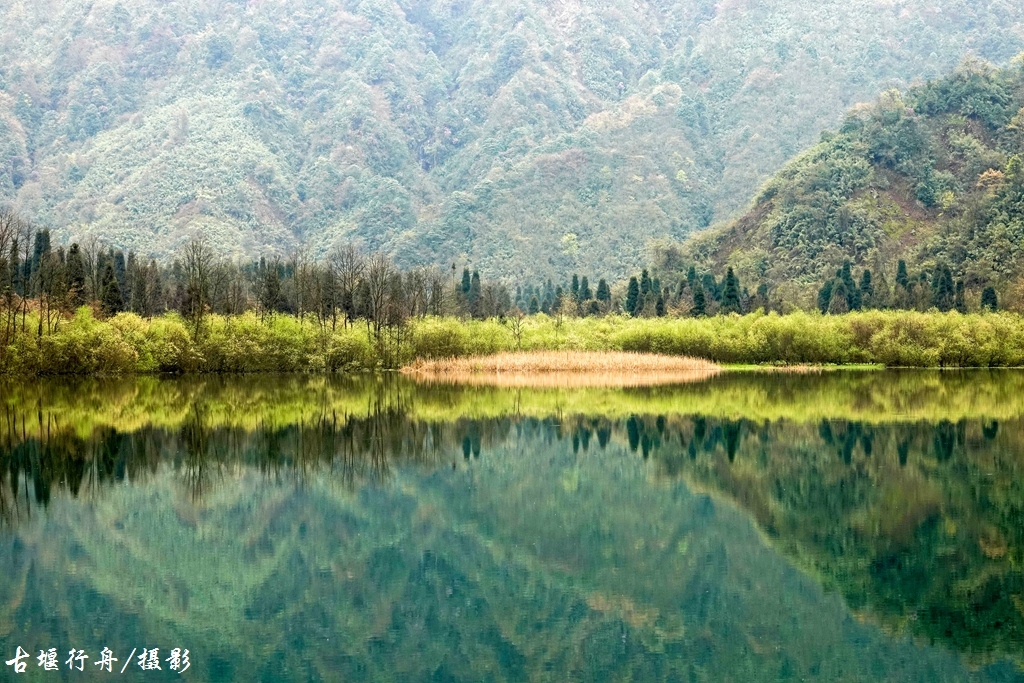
{"x":525,"y":138}
{"x":925,"y":189}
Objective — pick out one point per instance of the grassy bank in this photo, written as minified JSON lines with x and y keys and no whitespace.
{"x":128,"y":344}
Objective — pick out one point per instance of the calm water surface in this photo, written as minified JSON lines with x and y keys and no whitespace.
{"x":832,"y":527}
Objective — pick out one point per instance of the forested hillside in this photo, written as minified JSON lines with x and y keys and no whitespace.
{"x":524,"y":138}
{"x":932,"y":177}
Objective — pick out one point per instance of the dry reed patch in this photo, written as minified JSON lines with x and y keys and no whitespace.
{"x":792,"y":369}
{"x":564,"y":369}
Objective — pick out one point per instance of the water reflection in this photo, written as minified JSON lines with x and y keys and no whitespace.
{"x":301,"y":528}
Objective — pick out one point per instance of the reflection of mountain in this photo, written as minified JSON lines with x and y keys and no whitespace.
{"x":917,"y":525}
{"x":533,"y":560}
{"x":375,"y":543}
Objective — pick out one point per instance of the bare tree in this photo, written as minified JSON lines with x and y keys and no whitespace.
{"x":348,"y":265}
{"x":9,"y":230}
{"x":378,"y":281}
{"x":198,"y":264}
{"x":91,"y":248}
{"x":437,"y":286}
{"x":302,"y":280}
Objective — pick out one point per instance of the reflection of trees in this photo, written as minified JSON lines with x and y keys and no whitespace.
{"x":917,"y":524}
{"x":349,"y":449}
{"x":548,"y":556}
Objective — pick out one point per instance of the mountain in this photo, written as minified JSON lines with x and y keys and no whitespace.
{"x":524,"y":138}
{"x":933,"y":176}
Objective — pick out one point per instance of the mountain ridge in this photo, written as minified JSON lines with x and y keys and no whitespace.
{"x":930,"y":176}
{"x":527,"y":139}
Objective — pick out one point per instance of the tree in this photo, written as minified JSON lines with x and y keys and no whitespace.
{"x":840,"y":302}
{"x":699,"y":309}
{"x":959,"y":302}
{"x":659,"y":307}
{"x":989,"y":300}
{"x":120,"y":269}
{"x":111,"y":302}
{"x":632,"y":296}
{"x":852,"y":293}
{"x":348,"y":265}
{"x":474,"y":295}
{"x":270,"y":292}
{"x":155,"y":289}
{"x":645,"y":282}
{"x":731,"y":293}
{"x":943,"y":289}
{"x":585,"y":293}
{"x":534,"y":305}
{"x":710,"y":286}
{"x":867,"y":290}
{"x":76,"y":276}
{"x":604,"y":294}
{"x":902,"y":279}
{"x":139,"y":297}
{"x":825,"y":296}
{"x":762,"y":296}
{"x":575,"y":287}
{"x":197,"y":263}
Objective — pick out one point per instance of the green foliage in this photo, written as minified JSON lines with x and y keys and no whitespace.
{"x":128,"y":344}
{"x":438,"y":133}
{"x":922,"y":179}
{"x":731,"y":293}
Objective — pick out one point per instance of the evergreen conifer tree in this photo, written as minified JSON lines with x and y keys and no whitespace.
{"x":120,"y":269}
{"x":76,"y":275}
{"x":825,"y":296}
{"x":959,"y":302}
{"x":112,"y":302}
{"x":645,"y":282}
{"x":867,"y":290}
{"x":710,"y":286}
{"x":632,"y":296}
{"x":585,"y":293}
{"x":852,"y":292}
{"x":840,"y":302}
{"x":762,"y":296}
{"x":603,"y":293}
{"x":138,"y":299}
{"x":131,"y":273}
{"x":902,"y":279}
{"x":943,"y":289}
{"x":699,"y":309}
{"x":154,"y":289}
{"x":989,"y":300}
{"x":731,"y":293}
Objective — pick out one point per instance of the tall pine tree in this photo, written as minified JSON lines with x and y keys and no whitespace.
{"x":111,"y":302}
{"x":731,"y":293}
{"x":632,"y":296}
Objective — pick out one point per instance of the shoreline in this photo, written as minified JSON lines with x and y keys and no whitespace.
{"x":127,"y":344}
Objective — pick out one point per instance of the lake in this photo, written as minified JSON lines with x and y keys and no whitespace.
{"x":854,"y":526}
